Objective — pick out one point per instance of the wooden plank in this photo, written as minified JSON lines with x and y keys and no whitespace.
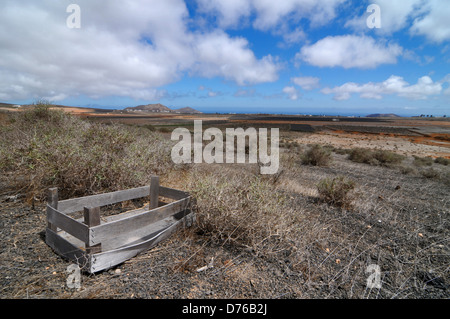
{"x":107,"y":219}
{"x":92,"y":218}
{"x":66,"y":249}
{"x":106,"y":231}
{"x":52,"y":201}
{"x":127,"y":238}
{"x":68,"y":224}
{"x":77,"y":204}
{"x":172,"y":193}
{"x":154,"y":192}
{"x":111,"y":258}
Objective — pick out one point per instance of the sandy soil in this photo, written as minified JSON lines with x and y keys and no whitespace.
{"x":402,"y":145}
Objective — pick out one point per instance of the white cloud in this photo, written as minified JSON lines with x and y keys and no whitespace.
{"x":307,"y":83}
{"x":269,"y":14}
{"x":230,"y":13}
{"x":123,"y":48}
{"x":434,"y":24}
{"x":428,"y":18}
{"x":210,"y":92}
{"x":294,"y":36}
{"x":349,"y":51}
{"x":424,"y":88}
{"x":292,"y":92}
{"x":219,"y":55}
{"x":447,"y":91}
{"x":395,"y":15}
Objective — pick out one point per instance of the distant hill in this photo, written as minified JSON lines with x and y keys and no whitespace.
{"x":187,"y":109}
{"x":159,"y":108}
{"x":383,"y":115}
{"x":156,"y":108}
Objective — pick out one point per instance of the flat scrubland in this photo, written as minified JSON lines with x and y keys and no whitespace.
{"x":310,"y":231}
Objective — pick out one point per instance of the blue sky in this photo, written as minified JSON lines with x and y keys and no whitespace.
{"x":288,"y":56}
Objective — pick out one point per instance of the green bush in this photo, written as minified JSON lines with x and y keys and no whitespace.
{"x":336,"y":191}
{"x":316,"y":156}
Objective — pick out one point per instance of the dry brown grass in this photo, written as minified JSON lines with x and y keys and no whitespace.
{"x":54,"y":149}
{"x":242,"y":208}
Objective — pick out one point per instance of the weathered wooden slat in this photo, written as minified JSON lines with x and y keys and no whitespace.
{"x":139,"y":234}
{"x":68,"y":224}
{"x":106,"y":231}
{"x":111,"y":258}
{"x":66,"y":249}
{"x":107,"y":219}
{"x":77,"y":204}
{"x":92,"y":218}
{"x":154,"y":192}
{"x":172,"y":193}
{"x":52,"y":201}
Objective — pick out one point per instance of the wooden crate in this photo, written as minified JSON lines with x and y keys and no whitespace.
{"x":96,"y":243}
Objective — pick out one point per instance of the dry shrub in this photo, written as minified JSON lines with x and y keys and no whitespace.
{"x":360,"y":155}
{"x":342,"y":151}
{"x":54,"y":149}
{"x":317,"y":156}
{"x":423,"y":161}
{"x":430,"y":173}
{"x":387,"y":157}
{"x":377,"y":157}
{"x":336,"y":191}
{"x":446,"y":178}
{"x":407,"y":170}
{"x":243,"y":210}
{"x":442,"y":161}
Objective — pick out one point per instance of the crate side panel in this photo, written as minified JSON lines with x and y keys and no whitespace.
{"x":111,"y":258}
{"x":66,"y":249}
{"x":107,"y":231}
{"x":78,"y":204}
